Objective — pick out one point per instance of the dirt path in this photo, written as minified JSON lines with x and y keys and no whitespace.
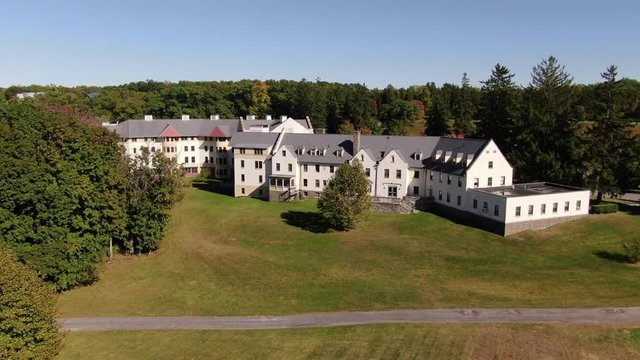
{"x":596,"y":316}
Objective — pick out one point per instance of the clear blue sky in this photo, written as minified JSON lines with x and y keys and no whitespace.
{"x":68,"y":42}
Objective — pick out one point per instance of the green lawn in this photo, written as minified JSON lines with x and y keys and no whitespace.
{"x":363,"y":342}
{"x":227,"y":256}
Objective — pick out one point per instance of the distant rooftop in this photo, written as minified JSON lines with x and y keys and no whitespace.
{"x":528,"y":189}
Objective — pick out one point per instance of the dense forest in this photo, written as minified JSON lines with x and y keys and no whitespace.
{"x":551,"y":129}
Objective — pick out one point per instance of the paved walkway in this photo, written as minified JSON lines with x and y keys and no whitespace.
{"x":617,"y":316}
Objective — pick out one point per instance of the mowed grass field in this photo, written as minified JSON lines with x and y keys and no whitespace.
{"x":228,"y":256}
{"x":364,"y":342}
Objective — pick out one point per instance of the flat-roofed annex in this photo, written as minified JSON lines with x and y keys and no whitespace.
{"x":528,"y":189}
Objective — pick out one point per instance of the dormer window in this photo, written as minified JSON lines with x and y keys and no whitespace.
{"x":381,"y":154}
{"x":339,"y":153}
{"x":417,"y":156}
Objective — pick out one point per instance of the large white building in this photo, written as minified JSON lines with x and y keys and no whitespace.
{"x":198,"y":144}
{"x":281,"y":159}
{"x":462,"y":177}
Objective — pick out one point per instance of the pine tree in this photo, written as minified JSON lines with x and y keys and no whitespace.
{"x":464,"y":123}
{"x":499,"y":108}
{"x":439,"y":120}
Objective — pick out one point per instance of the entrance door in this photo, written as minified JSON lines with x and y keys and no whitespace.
{"x":393,"y":191}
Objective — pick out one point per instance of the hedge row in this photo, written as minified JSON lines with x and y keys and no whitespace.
{"x":604,"y":208}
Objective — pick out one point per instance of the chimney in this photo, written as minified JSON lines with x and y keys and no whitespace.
{"x":267,"y":117}
{"x":214,"y":117}
{"x":251,"y":117}
{"x":356,"y":142}
{"x":148,"y":117}
{"x":320,"y":131}
{"x":283,"y":117}
{"x":185,"y":117}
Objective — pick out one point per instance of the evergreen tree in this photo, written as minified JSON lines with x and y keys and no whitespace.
{"x":440,"y":120}
{"x":464,"y":123}
{"x":610,"y":161}
{"x":345,"y":200}
{"x":499,"y":110}
{"x":546,"y":142}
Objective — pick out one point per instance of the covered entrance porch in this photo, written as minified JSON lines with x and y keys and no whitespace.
{"x":282,"y":187}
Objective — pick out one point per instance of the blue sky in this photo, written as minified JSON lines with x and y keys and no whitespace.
{"x":68,"y":42}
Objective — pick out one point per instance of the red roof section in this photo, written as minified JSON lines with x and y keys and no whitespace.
{"x":217,"y":133}
{"x":169,"y":131}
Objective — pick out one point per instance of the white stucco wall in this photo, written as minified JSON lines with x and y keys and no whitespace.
{"x":548,"y":199}
{"x":252,"y":181}
{"x":480,"y":168}
{"x":392,"y":162}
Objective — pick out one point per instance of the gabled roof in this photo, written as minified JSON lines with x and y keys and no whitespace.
{"x":169,"y":131}
{"x":253,"y":140}
{"x":216,"y":132}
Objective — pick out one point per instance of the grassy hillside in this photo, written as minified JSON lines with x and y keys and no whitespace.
{"x":227,"y":256}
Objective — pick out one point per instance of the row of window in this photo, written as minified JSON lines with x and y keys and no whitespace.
{"x":305,"y":168}
{"x":255,"y":151}
{"x":257,"y":164}
{"x":153,"y":149}
{"x":317,"y":183}
{"x":543,"y":208}
{"x":207,"y":160}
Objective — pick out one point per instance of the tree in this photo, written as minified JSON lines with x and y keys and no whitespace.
{"x":464,"y":122}
{"x":546,"y":142}
{"x":631,"y":249}
{"x":440,"y":120}
{"x":154,"y":185}
{"x":399,"y":116}
{"x":28,"y":329}
{"x":499,"y":109}
{"x":345,"y":200}
{"x":61,"y":180}
{"x":609,"y":153}
{"x":260,"y":101}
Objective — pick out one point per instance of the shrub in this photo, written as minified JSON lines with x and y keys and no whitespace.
{"x":632,"y":250}
{"x":606,"y":208}
{"x":28,"y":329}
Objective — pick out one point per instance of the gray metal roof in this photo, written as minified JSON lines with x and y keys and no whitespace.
{"x":192,"y":127}
{"x":253,"y":140}
{"x":327,"y":147}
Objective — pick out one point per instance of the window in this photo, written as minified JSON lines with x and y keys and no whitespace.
{"x":459,"y":181}
{"x":332,"y":169}
{"x":186,"y":159}
{"x":304,"y":182}
{"x":260,"y":179}
{"x":284,"y":152}
{"x":503,"y":180}
{"x":490,"y":164}
{"x":475,"y":203}
{"x":485,"y":206}
{"x":416,"y":190}
{"x":367,"y":172}
{"x":206,"y":159}
{"x":490,"y":181}
{"x":277,"y":166}
{"x":392,"y":191}
{"x":317,"y":168}
{"x":290,"y":167}
{"x":193,"y":148}
{"x":242,"y":151}
{"x":476,"y":182}
{"x":530,"y":210}
{"x":386,"y":173}
{"x":448,"y":197}
{"x":398,"y":174}
{"x":242,"y":190}
{"x":206,"y":148}
{"x":304,"y":168}
{"x":517,"y":210}
{"x":242,"y":177}
{"x":459,"y":200}
{"x":258,"y":164}
{"x":448,"y":179}
{"x":186,"y":148}
{"x":146,"y":139}
{"x":416,"y":174}
{"x":193,"y":159}
{"x":317,"y":183}
{"x":242,"y":163}
{"x":440,"y":195}
{"x":134,"y":150}
{"x":430,"y":175}
{"x":324,"y":183}
{"x":555,"y":208}
{"x":578,"y":204}
{"x":259,"y":151}
{"x":393,"y":159}
{"x":566,"y":206}
{"x":543,"y":209}
{"x":496,"y":210}
{"x":441,"y":176}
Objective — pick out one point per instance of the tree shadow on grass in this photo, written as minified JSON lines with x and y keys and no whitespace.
{"x":306,"y":220}
{"x":612,"y":256}
{"x":215,"y":186}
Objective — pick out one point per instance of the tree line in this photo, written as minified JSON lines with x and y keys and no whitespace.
{"x":551,"y":129}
